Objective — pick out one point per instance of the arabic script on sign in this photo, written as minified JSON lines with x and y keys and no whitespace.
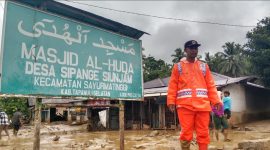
{"x":109,"y":46}
{"x":39,"y":29}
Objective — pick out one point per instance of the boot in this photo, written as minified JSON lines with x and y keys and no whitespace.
{"x":185,"y":145}
{"x":203,"y":146}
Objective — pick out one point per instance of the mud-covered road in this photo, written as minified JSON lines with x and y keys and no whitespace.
{"x":76,"y":137}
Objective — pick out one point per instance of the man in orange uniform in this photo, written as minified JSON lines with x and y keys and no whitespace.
{"x":191,"y":90}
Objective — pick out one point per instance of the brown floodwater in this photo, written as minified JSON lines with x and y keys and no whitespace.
{"x":109,"y":140}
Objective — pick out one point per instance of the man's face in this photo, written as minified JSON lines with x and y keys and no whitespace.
{"x":192,"y":52}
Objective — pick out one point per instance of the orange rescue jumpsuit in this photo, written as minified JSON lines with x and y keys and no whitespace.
{"x":191,"y":91}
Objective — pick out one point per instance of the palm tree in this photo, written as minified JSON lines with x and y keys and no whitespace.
{"x":165,"y":70}
{"x":214,"y":61}
{"x":179,"y":53}
{"x":233,"y":61}
{"x":210,"y":61}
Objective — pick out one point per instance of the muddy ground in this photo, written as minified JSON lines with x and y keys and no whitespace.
{"x":65,"y":137}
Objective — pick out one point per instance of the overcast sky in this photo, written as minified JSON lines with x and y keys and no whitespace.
{"x":167,"y":35}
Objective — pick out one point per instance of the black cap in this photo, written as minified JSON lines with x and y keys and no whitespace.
{"x":192,"y":43}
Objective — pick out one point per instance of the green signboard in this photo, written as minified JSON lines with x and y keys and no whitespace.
{"x":45,"y":54}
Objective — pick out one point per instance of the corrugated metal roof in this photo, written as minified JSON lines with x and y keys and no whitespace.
{"x":219,"y":80}
{"x":218,"y":77}
{"x":83,"y":16}
{"x":256,"y":85}
{"x":156,"y":83}
{"x":157,"y":88}
{"x":153,"y":90}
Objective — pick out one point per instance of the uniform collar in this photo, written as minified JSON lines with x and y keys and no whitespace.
{"x":184,"y":60}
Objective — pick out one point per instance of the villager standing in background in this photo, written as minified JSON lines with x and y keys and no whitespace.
{"x":227,"y":102}
{"x":220,"y":122}
{"x":4,"y":122}
{"x":16,"y":121}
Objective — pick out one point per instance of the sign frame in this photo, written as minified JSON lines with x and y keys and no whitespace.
{"x":74,"y":21}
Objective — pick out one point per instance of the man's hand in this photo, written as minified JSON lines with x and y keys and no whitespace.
{"x":171,"y":107}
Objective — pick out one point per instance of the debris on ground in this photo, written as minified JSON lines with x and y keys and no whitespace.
{"x":248,"y":129}
{"x":259,"y":144}
{"x":77,"y":137}
{"x":56,"y":138}
{"x":153,"y":133}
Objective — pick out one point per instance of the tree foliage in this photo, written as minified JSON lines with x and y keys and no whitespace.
{"x":179,"y":53}
{"x":259,"y":49}
{"x":155,"y":68}
{"x":234,"y":62}
{"x":11,"y":104}
{"x":213,"y":61}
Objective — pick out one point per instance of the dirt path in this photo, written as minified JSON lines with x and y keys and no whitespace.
{"x":76,"y":137}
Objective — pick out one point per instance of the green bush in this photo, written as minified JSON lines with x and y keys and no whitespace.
{"x":11,"y":104}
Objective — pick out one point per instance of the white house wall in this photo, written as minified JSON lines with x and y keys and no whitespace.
{"x":238,"y":97}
